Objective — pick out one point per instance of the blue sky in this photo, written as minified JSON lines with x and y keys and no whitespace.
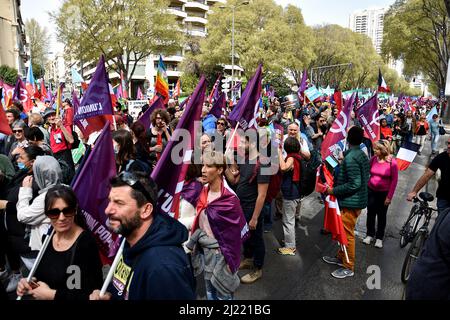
{"x":315,"y":12}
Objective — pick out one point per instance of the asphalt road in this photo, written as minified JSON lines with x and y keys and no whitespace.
{"x":305,"y":276}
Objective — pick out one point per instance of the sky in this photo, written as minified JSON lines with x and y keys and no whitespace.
{"x":315,"y":12}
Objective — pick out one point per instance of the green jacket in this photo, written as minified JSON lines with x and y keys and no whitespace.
{"x":351,"y":186}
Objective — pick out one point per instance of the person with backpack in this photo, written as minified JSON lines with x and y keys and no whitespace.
{"x":251,"y":189}
{"x":290,"y":167}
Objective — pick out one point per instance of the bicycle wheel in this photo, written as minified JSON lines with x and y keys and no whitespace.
{"x":408,"y":230}
{"x":413,"y":254}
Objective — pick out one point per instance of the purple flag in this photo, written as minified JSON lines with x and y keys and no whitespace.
{"x":97,"y":100}
{"x":246,"y":109}
{"x":303,"y":82}
{"x":92,"y":188}
{"x":169,"y":173}
{"x":145,"y":117}
{"x":228,"y":223}
{"x":218,"y":106}
{"x":400,"y":98}
{"x":368,"y":116}
{"x":338,"y":130}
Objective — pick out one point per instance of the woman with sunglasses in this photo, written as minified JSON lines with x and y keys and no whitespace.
{"x":70,"y":268}
{"x":20,"y":142}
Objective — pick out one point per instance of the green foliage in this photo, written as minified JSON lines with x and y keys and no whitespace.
{"x":126,"y":32}
{"x":417,"y":31}
{"x":39,"y":39}
{"x":188,"y":82}
{"x":8,"y":74}
{"x":264,"y":33}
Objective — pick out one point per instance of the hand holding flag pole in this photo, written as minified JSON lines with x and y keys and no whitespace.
{"x":50,"y":233}
{"x":112,"y":269}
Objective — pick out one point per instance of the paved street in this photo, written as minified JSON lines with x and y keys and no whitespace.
{"x":305,"y":276}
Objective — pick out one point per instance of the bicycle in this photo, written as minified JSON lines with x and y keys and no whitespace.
{"x":409,"y":229}
{"x":420,"y":236}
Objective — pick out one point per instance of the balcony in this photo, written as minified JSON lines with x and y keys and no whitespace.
{"x":173,"y":73}
{"x":196,"y":33}
{"x":196,"y":20}
{"x":196,"y":5}
{"x":178,"y":12}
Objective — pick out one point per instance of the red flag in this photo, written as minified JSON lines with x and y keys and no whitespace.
{"x":4,"y":126}
{"x":21,"y":94}
{"x":332,"y":218}
{"x":337,"y":96}
{"x":89,"y":125}
{"x":338,"y":130}
{"x":43,"y":90}
{"x":369,"y":116}
{"x":177,"y":90}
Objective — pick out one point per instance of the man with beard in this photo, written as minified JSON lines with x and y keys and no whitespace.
{"x":153,"y":265}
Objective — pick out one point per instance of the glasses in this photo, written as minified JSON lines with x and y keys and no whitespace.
{"x":132,"y":181}
{"x":67,"y":212}
{"x":221,"y":123}
{"x":17,"y":131}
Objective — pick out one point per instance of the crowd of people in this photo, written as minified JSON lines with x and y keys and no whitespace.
{"x":225,"y":208}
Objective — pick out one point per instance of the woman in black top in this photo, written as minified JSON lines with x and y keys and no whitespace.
{"x":70,"y":268}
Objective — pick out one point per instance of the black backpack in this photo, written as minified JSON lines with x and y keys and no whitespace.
{"x":308,"y":173}
{"x":67,"y":172}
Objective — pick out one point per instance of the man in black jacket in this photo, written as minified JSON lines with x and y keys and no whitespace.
{"x":153,"y":265}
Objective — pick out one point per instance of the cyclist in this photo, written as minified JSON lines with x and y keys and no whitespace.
{"x":430,"y":276}
{"x":442,"y":162}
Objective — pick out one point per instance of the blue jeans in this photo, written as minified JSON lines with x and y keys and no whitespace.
{"x":442,"y":204}
{"x":213,"y":294}
{"x":434,"y":141}
{"x":267,"y":212}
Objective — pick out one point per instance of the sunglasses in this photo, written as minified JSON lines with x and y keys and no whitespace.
{"x":67,"y":212}
{"x":221,"y":123}
{"x":16,"y":131}
{"x":132,"y":181}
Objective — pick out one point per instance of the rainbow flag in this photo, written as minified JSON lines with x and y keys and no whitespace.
{"x":162,"y":84}
{"x":123,"y":84}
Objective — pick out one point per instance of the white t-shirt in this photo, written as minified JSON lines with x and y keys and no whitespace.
{"x":303,"y":146}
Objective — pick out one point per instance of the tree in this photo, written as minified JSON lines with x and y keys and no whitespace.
{"x":125,"y":32}
{"x":39,"y":39}
{"x":264,"y":33}
{"x":417,"y":31}
{"x":8,"y":74}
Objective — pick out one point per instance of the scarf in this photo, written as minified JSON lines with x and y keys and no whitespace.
{"x":297,"y":166}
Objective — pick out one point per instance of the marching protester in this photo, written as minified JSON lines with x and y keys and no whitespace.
{"x":47,"y":173}
{"x":382,"y":184}
{"x":158,"y":134}
{"x":217,"y":231}
{"x":290,"y":168}
{"x":410,"y":121}
{"x":435,"y":134}
{"x":125,"y":152}
{"x":60,"y":138}
{"x":351,"y":191}
{"x":153,"y":265}
{"x":441,"y":162}
{"x":421,"y":132}
{"x":20,"y":141}
{"x":72,"y":251}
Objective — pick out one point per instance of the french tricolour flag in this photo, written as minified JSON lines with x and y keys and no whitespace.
{"x":406,"y":154}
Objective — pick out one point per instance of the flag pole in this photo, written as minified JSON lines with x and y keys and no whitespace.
{"x":232,"y":137}
{"x":345,"y":252}
{"x":112,"y":269}
{"x":39,"y":256}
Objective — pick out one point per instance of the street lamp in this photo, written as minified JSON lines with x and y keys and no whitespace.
{"x":233,"y":8}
